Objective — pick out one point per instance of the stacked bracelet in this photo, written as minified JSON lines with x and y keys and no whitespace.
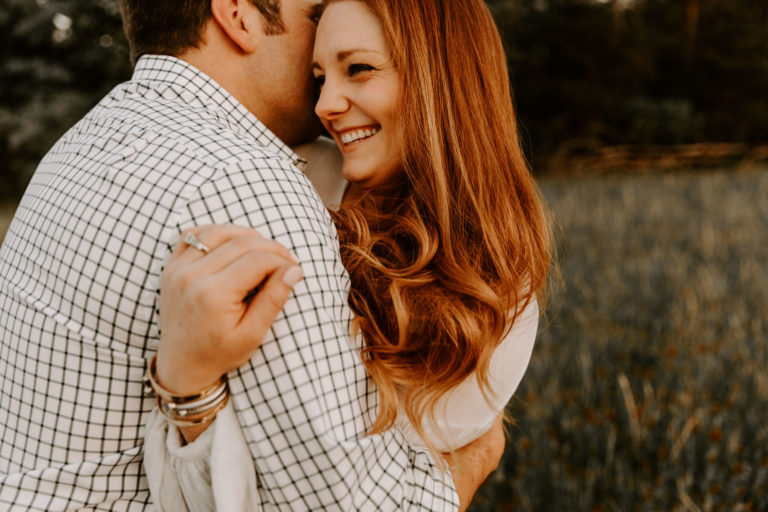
{"x":186,"y":411}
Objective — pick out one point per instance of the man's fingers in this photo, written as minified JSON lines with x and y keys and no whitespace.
{"x":270,"y":299}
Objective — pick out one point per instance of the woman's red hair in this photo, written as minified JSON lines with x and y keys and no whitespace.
{"x":444,"y":260}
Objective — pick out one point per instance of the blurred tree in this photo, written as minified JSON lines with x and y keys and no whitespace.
{"x":692,"y":9}
{"x":569,"y":68}
{"x":57,"y":59}
{"x":729,"y":79}
{"x":586,"y":73}
{"x":596,"y":72}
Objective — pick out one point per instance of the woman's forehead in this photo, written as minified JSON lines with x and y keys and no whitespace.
{"x":346,"y":27}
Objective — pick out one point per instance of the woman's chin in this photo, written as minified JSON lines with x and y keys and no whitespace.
{"x":355,"y":175}
{"x":368,"y":176}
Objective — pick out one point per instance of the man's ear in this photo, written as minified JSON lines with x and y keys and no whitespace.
{"x":240,"y":20}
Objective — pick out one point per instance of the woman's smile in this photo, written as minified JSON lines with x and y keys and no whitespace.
{"x":351,"y":139}
{"x":356,"y":135}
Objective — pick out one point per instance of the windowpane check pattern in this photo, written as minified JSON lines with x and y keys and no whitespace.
{"x":79,"y":274}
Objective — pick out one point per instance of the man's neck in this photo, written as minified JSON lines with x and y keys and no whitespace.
{"x":227,"y":75}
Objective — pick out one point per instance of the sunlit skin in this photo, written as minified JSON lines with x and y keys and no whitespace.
{"x":286,"y":58}
{"x":265,"y":68}
{"x":360,"y":87}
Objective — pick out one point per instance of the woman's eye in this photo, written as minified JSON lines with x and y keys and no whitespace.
{"x":355,"y":69}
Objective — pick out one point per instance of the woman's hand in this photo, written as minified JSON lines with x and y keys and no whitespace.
{"x":211,"y":318}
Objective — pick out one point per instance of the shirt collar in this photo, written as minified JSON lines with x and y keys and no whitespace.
{"x":198,"y":89}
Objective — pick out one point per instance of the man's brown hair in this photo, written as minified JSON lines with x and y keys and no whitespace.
{"x":169,"y":27}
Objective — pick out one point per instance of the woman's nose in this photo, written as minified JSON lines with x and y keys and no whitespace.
{"x":332,"y":101}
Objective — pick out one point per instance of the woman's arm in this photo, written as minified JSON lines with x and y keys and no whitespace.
{"x":207,"y":312}
{"x":475,"y":461}
{"x":195,"y":351}
{"x":185,"y":477}
{"x":215,"y":471}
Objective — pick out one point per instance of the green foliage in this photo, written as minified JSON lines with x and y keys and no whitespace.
{"x":649,"y":389}
{"x":638,"y":72}
{"x":52,"y":76}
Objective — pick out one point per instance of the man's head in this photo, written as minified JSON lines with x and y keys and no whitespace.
{"x":171,"y":27}
{"x":259,"y":50}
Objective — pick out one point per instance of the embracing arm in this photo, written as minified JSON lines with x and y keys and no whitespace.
{"x":475,"y":461}
{"x":208,"y":327}
{"x":304,"y":401}
{"x":219,"y":330}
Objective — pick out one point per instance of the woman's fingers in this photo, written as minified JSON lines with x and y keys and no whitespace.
{"x":248,"y":272}
{"x":241,"y":256}
{"x":212,"y":236}
{"x":237,"y":247}
{"x":208,"y":327}
{"x":268,"y":303}
{"x":181,"y":246}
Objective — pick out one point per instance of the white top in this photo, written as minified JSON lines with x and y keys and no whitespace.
{"x":463,"y":414}
{"x":216,"y":473}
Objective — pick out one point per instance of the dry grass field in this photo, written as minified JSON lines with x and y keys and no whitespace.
{"x":648,"y":390}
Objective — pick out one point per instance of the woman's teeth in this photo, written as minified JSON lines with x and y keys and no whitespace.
{"x":356,"y":135}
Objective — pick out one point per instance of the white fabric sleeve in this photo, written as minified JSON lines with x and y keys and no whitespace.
{"x":323,"y":169}
{"x":215,"y":472}
{"x":464,"y":414}
{"x":179,"y":476}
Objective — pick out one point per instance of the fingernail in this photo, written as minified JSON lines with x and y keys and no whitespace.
{"x":293,"y":276}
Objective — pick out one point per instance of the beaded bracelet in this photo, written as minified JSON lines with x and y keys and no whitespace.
{"x":189,"y":410}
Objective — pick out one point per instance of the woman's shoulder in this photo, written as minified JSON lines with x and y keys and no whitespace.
{"x":465,"y":413}
{"x":511,"y":358}
{"x":508,"y":362}
{"x":323,"y":169}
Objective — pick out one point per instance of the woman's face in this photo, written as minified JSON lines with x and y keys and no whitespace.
{"x":360,"y":88}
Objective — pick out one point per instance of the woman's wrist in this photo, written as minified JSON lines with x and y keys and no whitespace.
{"x":187,"y":409}
{"x":182,"y":377}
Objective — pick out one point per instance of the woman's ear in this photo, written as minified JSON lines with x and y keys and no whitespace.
{"x":240,"y":20}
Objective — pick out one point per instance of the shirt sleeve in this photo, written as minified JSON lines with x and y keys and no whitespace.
{"x":177,"y":475}
{"x":304,"y":401}
{"x":213,"y":473}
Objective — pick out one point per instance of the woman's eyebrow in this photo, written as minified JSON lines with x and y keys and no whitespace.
{"x":343,"y":55}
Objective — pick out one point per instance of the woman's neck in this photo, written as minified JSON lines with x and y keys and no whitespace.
{"x":352,"y":193}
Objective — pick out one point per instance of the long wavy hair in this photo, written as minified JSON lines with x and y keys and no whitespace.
{"x":444,"y":259}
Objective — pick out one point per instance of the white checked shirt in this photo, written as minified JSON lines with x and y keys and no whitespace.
{"x":79,"y":273}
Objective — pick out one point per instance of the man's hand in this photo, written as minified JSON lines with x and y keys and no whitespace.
{"x":472,"y":463}
{"x":211,"y":321}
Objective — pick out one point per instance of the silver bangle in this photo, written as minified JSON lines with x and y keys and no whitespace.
{"x":185,"y":411}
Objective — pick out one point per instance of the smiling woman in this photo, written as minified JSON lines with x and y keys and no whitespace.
{"x":441,"y":230}
{"x":445,"y":295}
{"x":359,"y":93}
